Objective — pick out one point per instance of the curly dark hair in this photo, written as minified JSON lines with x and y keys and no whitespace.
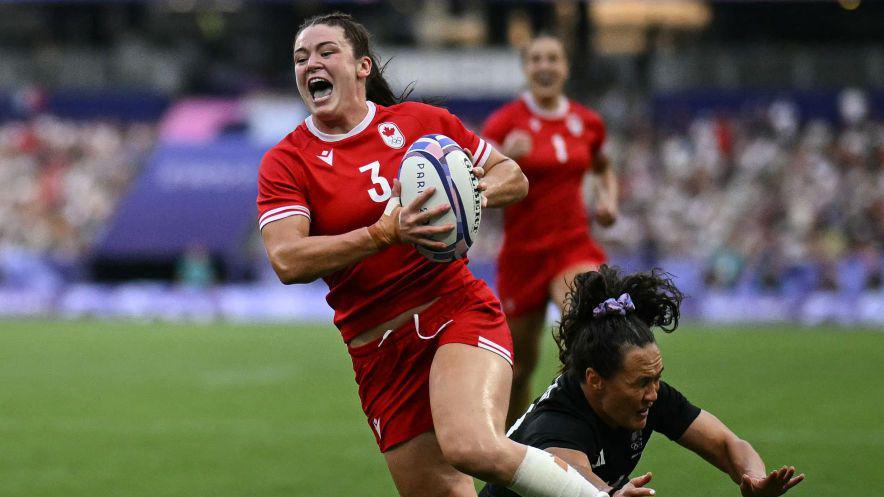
{"x":586,"y":341}
{"x":377,"y":88}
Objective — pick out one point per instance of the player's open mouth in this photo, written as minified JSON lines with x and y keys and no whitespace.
{"x":545,"y":79}
{"x":644,"y":412}
{"x":320,"y":89}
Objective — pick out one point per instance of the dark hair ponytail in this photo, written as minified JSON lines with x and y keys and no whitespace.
{"x":377,"y":89}
{"x":586,"y":341}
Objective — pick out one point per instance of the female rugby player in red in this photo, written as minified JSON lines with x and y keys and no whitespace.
{"x":555,"y":140}
{"x":429,"y":343}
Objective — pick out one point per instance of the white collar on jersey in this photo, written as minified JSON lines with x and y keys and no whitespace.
{"x":558,"y":113}
{"x":326,"y":137}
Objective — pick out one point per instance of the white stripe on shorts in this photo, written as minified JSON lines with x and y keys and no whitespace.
{"x":486,"y":344}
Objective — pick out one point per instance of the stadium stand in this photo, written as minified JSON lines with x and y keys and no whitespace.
{"x":798,"y":213}
{"x":766,"y":203}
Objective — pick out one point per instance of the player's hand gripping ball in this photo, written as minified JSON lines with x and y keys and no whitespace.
{"x":437,"y":161}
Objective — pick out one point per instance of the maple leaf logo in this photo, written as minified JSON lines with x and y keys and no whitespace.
{"x":391,"y":135}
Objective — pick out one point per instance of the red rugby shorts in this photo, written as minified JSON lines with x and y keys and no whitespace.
{"x":393,"y":372}
{"x":524,"y":277}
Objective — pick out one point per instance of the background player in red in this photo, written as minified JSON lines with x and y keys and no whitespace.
{"x":429,"y":343}
{"x":556,"y":141}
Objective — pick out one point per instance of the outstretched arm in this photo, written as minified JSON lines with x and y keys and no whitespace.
{"x":579,"y":461}
{"x":716,"y":443}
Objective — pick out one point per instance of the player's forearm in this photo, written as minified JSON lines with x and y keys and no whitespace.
{"x":580,"y":463}
{"x":607,"y":187}
{"x":591,"y":477}
{"x":742,"y":459}
{"x":505,"y":184}
{"x":308,"y":258}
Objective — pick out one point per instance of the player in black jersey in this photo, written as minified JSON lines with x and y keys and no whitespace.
{"x":599,"y":414}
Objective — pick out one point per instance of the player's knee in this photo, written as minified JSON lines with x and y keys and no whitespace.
{"x":475,"y":456}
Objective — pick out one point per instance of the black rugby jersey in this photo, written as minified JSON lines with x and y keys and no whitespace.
{"x":562,"y":417}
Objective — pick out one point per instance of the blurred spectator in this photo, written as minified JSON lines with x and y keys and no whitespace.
{"x":770,"y":203}
{"x":763,"y":198}
{"x":195,"y":270}
{"x":62,"y":179}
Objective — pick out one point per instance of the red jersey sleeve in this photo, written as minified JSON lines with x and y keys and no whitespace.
{"x":596,"y":128}
{"x":453,"y":128}
{"x":280,"y":190}
{"x":497,"y":126}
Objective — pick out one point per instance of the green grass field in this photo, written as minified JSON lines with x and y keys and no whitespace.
{"x":132,"y":409}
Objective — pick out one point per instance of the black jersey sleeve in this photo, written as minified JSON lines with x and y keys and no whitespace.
{"x":559,"y":429}
{"x":672,"y":413}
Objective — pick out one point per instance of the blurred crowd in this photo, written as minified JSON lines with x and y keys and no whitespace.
{"x":61,"y":180}
{"x":764,"y":200}
{"x":769,"y":202}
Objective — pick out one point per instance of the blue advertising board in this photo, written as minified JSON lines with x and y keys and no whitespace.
{"x":187,"y":195}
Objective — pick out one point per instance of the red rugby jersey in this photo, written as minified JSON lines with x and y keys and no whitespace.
{"x":563,"y":143}
{"x":343,"y":182}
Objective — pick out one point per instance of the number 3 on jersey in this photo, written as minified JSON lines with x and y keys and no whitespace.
{"x":378,"y":181}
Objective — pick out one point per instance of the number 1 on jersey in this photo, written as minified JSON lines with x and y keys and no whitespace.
{"x":378,"y":180}
{"x":561,"y":151}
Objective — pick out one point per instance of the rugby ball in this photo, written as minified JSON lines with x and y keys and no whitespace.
{"x":437,"y":161}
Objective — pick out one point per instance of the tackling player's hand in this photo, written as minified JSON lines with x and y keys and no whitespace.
{"x":413,"y":221}
{"x":517,"y":144}
{"x":776,"y":483}
{"x":636,"y":487}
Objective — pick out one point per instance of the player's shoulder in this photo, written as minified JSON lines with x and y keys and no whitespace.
{"x":559,"y":417}
{"x":419,"y":110}
{"x":287,"y":151}
{"x":419,"y":117}
{"x":669,"y":398}
{"x":513,"y":107}
{"x":666,"y":388}
{"x":586,"y":113}
{"x":672,"y":413}
{"x":668,"y":392}
{"x":564,"y":395}
{"x":556,"y":427}
{"x":506,"y":117}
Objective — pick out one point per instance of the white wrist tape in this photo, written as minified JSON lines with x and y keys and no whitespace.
{"x":391,"y":205}
{"x":542,"y":475}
